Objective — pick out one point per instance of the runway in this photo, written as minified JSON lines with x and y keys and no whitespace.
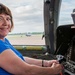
{"x":26,"y":40}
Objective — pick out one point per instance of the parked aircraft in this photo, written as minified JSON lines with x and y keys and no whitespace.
{"x":28,"y":34}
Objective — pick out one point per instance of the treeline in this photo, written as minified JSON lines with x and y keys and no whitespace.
{"x":25,"y":33}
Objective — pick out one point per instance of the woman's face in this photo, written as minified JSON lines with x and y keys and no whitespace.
{"x":5,"y":25}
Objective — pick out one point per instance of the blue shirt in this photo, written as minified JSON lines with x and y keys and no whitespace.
{"x":4,"y":45}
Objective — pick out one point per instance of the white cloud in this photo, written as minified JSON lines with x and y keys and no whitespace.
{"x":28,"y":14}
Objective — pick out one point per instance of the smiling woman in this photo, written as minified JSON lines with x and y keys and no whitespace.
{"x":40,"y":19}
{"x":12,"y":62}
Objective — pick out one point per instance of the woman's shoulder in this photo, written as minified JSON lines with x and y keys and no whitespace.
{"x":3,"y":41}
{"x":3,"y":45}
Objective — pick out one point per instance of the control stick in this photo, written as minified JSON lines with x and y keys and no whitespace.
{"x":61,"y":59}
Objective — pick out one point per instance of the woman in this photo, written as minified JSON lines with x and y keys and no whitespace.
{"x":11,"y":61}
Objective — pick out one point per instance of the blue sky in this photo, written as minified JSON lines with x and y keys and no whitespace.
{"x":28,"y":14}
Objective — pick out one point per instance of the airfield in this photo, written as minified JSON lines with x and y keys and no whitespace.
{"x":26,"y":40}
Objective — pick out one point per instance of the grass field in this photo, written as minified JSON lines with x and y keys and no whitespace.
{"x":26,"y":40}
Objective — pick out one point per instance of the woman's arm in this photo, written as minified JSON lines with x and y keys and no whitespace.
{"x":13,"y":64}
{"x":34,"y":61}
{"x":38,"y":62}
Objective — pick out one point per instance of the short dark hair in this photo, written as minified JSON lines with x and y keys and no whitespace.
{"x":5,"y":10}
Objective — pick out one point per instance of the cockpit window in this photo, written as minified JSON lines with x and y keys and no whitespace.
{"x":66,"y":10}
{"x":28,"y":22}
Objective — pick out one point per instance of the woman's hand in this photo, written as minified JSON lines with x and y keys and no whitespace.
{"x":57,"y":68}
{"x":54,"y":65}
{"x":50,"y":62}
